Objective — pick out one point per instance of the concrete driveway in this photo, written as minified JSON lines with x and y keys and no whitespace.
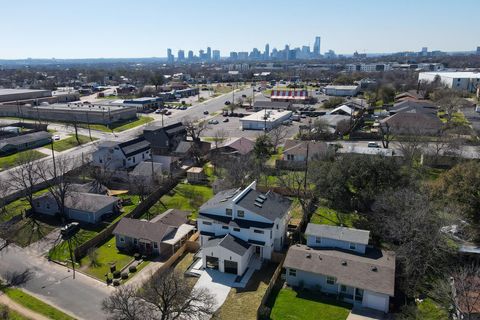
{"x":365,"y":314}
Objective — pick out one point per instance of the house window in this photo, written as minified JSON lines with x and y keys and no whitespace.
{"x":133,"y":159}
{"x":236,"y":229}
{"x":225,"y":227}
{"x":258,"y":231}
{"x":292,"y":272}
{"x":228,"y":212}
{"x":318,"y":240}
{"x":38,"y":204}
{"x":359,"y":294}
{"x":143,"y":155}
{"x":343,"y":288}
{"x":48,"y":206}
{"x":207,"y":223}
{"x":122,"y":239}
{"x":290,"y":157}
{"x":331,"y":280}
{"x":241,"y":213}
{"x":353,"y":246}
{"x":135,"y":241}
{"x":155,"y":245}
{"x":101,"y":161}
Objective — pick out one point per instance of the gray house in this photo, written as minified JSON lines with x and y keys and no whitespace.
{"x":84,"y":207}
{"x":160,"y":236}
{"x":24,"y":142}
{"x":338,"y":261}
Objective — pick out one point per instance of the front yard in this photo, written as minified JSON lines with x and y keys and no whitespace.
{"x":244,"y":303}
{"x":71,"y":142}
{"x":303,"y":305}
{"x":7,"y":162}
{"x":122,"y":126}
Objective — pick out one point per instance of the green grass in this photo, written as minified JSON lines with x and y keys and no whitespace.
{"x":292,"y":305}
{"x":274,"y":157}
{"x":27,"y":232}
{"x":17,"y":207}
{"x":429,"y":310}
{"x":220,"y":89}
{"x":12,"y":314}
{"x":328,"y":216}
{"x":121,"y":126}
{"x":107,"y":254}
{"x":70,"y":142}
{"x":11,"y":161}
{"x":36,"y":305}
{"x":185,"y":197}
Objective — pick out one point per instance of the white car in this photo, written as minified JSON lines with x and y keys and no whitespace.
{"x":373,"y":145}
{"x":56,"y":137}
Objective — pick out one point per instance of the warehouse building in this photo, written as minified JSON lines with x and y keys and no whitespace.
{"x":342,"y":91}
{"x":71,"y":112}
{"x":24,"y":142}
{"x":461,"y":80}
{"x":265,"y":119}
{"x":7,"y":95}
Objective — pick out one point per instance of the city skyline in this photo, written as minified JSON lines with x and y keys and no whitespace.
{"x":368,"y":27}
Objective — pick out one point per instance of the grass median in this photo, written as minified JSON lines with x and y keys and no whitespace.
{"x":11,"y":161}
{"x":71,"y":142}
{"x":36,"y":305}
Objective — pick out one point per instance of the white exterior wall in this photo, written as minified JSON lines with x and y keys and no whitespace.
{"x":109,"y":158}
{"x":334,"y":243}
{"x":375,"y":300}
{"x":223,"y":254}
{"x":341,"y":92}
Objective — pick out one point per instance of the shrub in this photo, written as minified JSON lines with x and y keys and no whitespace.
{"x":109,"y":280}
{"x":116,"y":274}
{"x":124,"y":275}
{"x":132,"y":269}
{"x":264,"y":312}
{"x":113,"y":267}
{"x":116,"y":282}
{"x":137,"y":256}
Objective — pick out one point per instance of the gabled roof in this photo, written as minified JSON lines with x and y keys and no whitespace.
{"x":230,"y":243}
{"x":413,"y":123}
{"x":413,"y":106}
{"x":87,"y":202}
{"x":374,"y":271}
{"x":184,"y":147}
{"x":25,"y":138}
{"x":145,"y":168}
{"x":299,"y":147}
{"x":134,"y":146}
{"x":342,"y":109}
{"x":241,"y":145}
{"x":89,"y":187}
{"x":338,"y":233}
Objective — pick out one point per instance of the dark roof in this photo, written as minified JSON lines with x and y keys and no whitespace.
{"x":89,"y":187}
{"x":272,"y":104}
{"x":338,"y":233}
{"x":241,"y":145}
{"x":274,"y":206}
{"x":173,"y":129}
{"x":236,"y":223}
{"x":413,"y":106}
{"x":230,"y":243}
{"x":87,"y":202}
{"x":220,"y":198}
{"x":25,"y":138}
{"x":374,"y":271}
{"x":298,"y":147}
{"x":134,"y":146}
{"x":413,"y":123}
{"x":184,"y":147}
{"x":154,"y":230}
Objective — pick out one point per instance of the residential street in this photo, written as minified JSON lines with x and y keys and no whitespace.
{"x":54,"y":284}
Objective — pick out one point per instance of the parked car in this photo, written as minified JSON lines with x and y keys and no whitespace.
{"x":212,"y":121}
{"x":227,"y":103}
{"x":225,"y":120}
{"x":158,"y":111}
{"x":287,"y":122}
{"x":69,"y":229}
{"x":205,"y":112}
{"x":244,"y":95}
{"x":373,"y":145}
{"x":56,"y":137}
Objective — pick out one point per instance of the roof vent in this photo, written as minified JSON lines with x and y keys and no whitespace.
{"x":374,"y":269}
{"x":258,"y":204}
{"x":308,"y":255}
{"x":344,"y":263}
{"x":320,"y":258}
{"x":261,"y":196}
{"x":260,"y":200}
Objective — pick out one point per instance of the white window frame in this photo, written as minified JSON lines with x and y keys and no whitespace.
{"x":331,"y":280}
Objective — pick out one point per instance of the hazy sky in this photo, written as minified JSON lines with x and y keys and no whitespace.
{"x":145,"y":28}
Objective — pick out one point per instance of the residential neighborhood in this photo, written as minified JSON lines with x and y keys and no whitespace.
{"x":300,"y":173}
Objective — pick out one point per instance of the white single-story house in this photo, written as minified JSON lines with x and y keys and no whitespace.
{"x":338,"y":261}
{"x":80,"y":206}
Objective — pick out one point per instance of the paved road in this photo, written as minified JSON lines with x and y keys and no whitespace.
{"x":54,"y":284}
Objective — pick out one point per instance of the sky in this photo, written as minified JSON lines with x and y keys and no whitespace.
{"x":146,"y":28}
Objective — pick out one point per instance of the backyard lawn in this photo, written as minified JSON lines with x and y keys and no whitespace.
{"x":36,"y":305}
{"x":107,"y":254}
{"x":11,"y":161}
{"x":17,"y":207}
{"x":332,"y":217}
{"x":429,"y":310}
{"x":293,"y":305}
{"x":245,"y":302}
{"x":186,"y":197}
{"x":122,"y":126}
{"x":70,"y":142}
{"x":28,"y":232}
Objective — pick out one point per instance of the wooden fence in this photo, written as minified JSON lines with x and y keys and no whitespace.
{"x":273,"y":282}
{"x":143,"y":207}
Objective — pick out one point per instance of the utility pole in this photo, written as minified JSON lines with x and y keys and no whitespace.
{"x":69,"y":241}
{"x":306,"y":171}
{"x":88,"y":124}
{"x":54,"y":164}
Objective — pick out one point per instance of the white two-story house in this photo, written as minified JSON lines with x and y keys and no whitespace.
{"x":339,"y":262}
{"x":237,"y":224}
{"x":121,"y":155}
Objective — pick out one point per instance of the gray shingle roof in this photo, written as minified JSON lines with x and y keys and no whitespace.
{"x":338,"y":233}
{"x":135,"y":146}
{"x":373,"y":271}
{"x":274,"y":206}
{"x":230,"y":243}
{"x":87,"y":202}
{"x":25,"y":138}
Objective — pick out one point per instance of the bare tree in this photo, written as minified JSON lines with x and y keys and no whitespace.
{"x":24,"y":177}
{"x":450,"y":101}
{"x":295,"y":183}
{"x":277,"y":135}
{"x":460,"y":290}
{"x":219,"y":136}
{"x":411,"y":147}
{"x":386,"y":134}
{"x":195,"y":127}
{"x":74,"y":124}
{"x":165,"y":296}
{"x":443,"y":145}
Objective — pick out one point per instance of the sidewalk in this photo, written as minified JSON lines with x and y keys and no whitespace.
{"x":5,"y":300}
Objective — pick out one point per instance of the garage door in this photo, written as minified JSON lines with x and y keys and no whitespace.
{"x":230,"y":266}
{"x":375,"y":302}
{"x":212,"y":262}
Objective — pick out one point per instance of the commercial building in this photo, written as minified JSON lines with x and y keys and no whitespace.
{"x":144,"y":104}
{"x":78,"y":112}
{"x":367,"y":67}
{"x":342,"y":91}
{"x":7,"y":95}
{"x":265,"y":119}
{"x":458,"y":80}
{"x":24,"y":142}
{"x":293,"y":95}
